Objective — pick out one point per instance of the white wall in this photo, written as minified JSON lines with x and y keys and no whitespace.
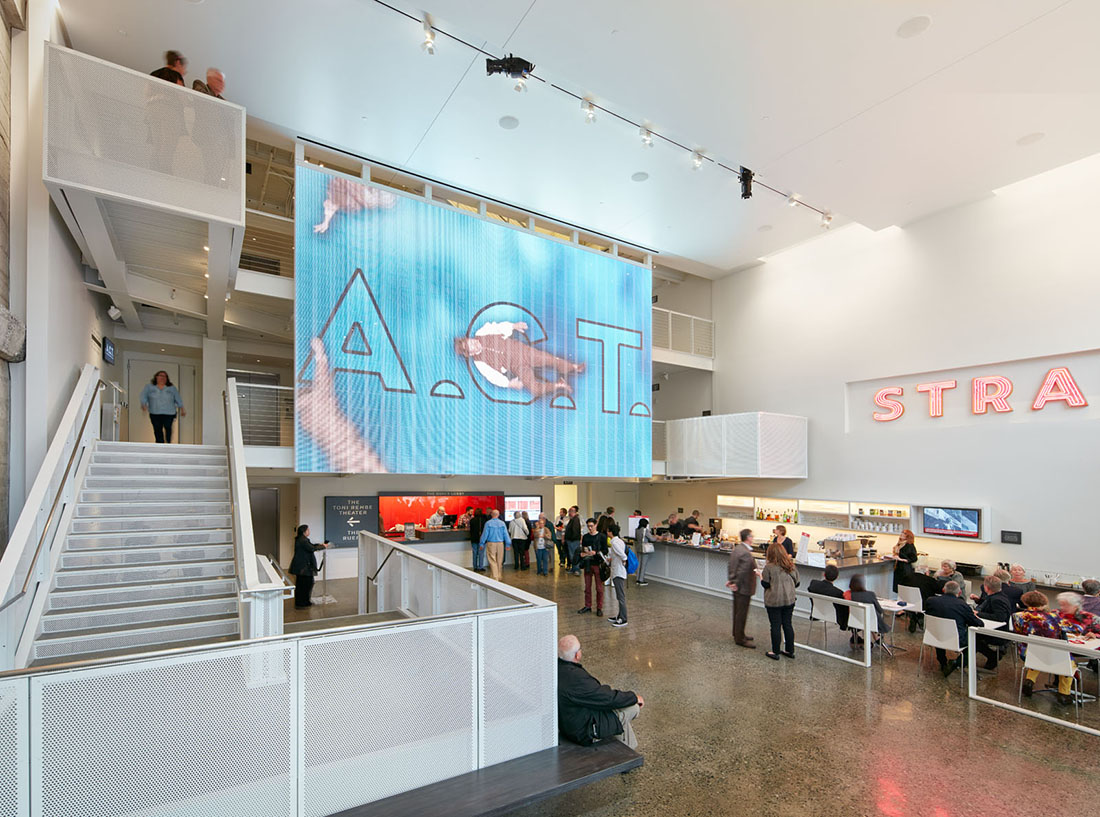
{"x":692,"y":296}
{"x":684,"y":394}
{"x":1011,"y":276}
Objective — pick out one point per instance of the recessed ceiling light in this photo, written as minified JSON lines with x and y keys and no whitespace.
{"x":764,"y":228}
{"x":162,"y":349}
{"x":508,"y":122}
{"x":1030,"y":139}
{"x":640,"y":176}
{"x":123,"y":32}
{"x":914,"y":27}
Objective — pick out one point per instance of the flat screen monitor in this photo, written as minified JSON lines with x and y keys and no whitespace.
{"x":964,"y":523}
{"x":532,"y":504}
{"x":449,"y":520}
{"x":108,"y":351}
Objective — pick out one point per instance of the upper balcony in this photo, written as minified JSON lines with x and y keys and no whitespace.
{"x":149,"y":177}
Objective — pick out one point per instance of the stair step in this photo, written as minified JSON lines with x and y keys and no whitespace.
{"x":63,"y":646}
{"x":123,"y":469}
{"x":110,"y":447}
{"x":131,"y":651}
{"x":157,"y":481}
{"x":123,"y":524}
{"x":162,"y":458}
{"x":182,"y":507}
{"x":144,"y":574}
{"x":84,"y":598}
{"x":77,"y":542}
{"x":155,"y":494}
{"x":127,"y":557}
{"x":131,"y":616}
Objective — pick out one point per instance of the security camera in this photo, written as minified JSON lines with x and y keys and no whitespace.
{"x":113,"y":312}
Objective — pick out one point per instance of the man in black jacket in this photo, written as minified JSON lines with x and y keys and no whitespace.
{"x":928,"y":587}
{"x":573,"y":539}
{"x":951,"y":606}
{"x":825,"y":587}
{"x":589,"y":711}
{"x":996,"y":606}
{"x":477,"y":525}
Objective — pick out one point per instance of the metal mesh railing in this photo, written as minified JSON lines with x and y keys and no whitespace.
{"x":140,"y":138}
{"x":679,"y":332}
{"x":267,"y":414}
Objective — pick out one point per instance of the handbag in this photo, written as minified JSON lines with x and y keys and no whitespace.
{"x":647,"y":546}
{"x":605,"y":570}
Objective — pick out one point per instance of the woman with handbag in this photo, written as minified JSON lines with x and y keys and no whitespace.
{"x":779,"y":580}
{"x":304,"y":567}
{"x":644,"y":538}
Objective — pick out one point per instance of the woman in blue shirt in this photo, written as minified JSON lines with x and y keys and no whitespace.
{"x":160,"y":399}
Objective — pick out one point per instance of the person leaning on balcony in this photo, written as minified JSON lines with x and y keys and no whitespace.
{"x":304,"y":567}
{"x":174,"y":68}
{"x":214,"y":85}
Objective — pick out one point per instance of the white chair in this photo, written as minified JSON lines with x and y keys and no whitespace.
{"x":827,"y":613}
{"x":941,"y":633}
{"x":914,"y":602}
{"x":857,"y":620}
{"x":1054,"y":661}
{"x":969,"y":587}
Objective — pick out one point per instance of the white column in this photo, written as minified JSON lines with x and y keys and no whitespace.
{"x":213,"y":385}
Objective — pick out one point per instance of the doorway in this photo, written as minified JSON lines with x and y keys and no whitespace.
{"x":265,"y":521}
{"x":140,"y":371}
{"x":565,"y":496}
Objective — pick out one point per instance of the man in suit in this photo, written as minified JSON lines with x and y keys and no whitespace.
{"x":589,"y":711}
{"x":825,"y":587}
{"x":996,"y":606}
{"x":742,"y":581}
{"x":951,"y":606}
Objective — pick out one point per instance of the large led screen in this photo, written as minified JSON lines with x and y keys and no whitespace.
{"x":430,"y":341}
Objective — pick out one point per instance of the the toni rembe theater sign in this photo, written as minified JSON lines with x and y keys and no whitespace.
{"x":430,"y":341}
{"x":1037,"y":388}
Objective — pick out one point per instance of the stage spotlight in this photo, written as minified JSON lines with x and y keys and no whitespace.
{"x":696,"y":160}
{"x":647,"y":137}
{"x":514,"y":67}
{"x":521,"y":85}
{"x":589,"y":111}
{"x":793,"y":200}
{"x":826,"y":220}
{"x":429,"y":40}
{"x":746,"y":182}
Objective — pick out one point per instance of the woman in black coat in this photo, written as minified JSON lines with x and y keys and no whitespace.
{"x":304,"y":567}
{"x":905,"y":556}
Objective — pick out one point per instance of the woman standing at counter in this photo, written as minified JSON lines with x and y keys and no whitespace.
{"x":644,"y":538}
{"x":779,"y":580}
{"x":905,"y":556}
{"x":779,"y":537}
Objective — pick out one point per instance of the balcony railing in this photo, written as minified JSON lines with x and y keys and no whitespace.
{"x":679,"y":332}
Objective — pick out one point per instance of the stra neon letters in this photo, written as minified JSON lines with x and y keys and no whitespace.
{"x":935,"y":395}
{"x":1059,"y":385}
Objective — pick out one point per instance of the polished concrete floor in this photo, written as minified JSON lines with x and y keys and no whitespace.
{"x":728,"y":731}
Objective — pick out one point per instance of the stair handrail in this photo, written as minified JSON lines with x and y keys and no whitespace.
{"x":244,"y":543}
{"x":29,"y":523}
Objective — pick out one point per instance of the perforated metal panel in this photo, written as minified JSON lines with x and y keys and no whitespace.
{"x":686,"y":567}
{"x":519,"y":682}
{"x":783,"y":445}
{"x":660,"y":450}
{"x":741,"y":443}
{"x":14,"y":768}
{"x":385,"y":712}
{"x":112,"y":129}
{"x":662,"y":329}
{"x":681,"y":332}
{"x":192,"y":735}
{"x":703,"y":337}
{"x":717,"y":570}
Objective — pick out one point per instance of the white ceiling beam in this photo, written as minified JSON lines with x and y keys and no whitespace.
{"x":157,"y":293}
{"x":264,"y":283}
{"x":258,"y":322}
{"x":218,"y":265}
{"x":188,"y":339}
{"x":97,"y":235}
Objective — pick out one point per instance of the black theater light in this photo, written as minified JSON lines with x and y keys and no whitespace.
{"x":746,"y":182}
{"x":512,"y":66}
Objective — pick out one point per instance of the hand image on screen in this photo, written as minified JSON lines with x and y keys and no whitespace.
{"x":320,"y":417}
{"x":345,"y":195}
{"x":510,"y":363}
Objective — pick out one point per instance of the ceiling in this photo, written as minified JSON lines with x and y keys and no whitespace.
{"x":823,"y":99}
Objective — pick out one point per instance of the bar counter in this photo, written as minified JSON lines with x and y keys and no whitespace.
{"x":705,"y":569}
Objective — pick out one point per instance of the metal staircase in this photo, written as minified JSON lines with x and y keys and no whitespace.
{"x":148,"y":562}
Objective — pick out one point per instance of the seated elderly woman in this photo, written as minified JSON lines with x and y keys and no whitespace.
{"x":1073,"y":618}
{"x":949,"y":572}
{"x":1037,"y":620}
{"x":1018,"y":577}
{"x":1091,"y":602}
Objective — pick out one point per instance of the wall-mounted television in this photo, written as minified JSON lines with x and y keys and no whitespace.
{"x":964,"y":523}
{"x":108,"y":351}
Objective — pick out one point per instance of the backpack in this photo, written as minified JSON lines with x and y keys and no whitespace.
{"x":631,"y":562}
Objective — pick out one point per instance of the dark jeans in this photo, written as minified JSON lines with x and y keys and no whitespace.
{"x":573,"y":547}
{"x":542,"y":561}
{"x":781,"y":617}
{"x":741,"y":602}
{"x":477,"y":556}
{"x":162,"y":427}
{"x":620,"y":595}
{"x":303,"y":588}
{"x":521,"y":547}
{"x":563,"y":551}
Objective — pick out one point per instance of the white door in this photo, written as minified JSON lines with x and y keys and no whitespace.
{"x":138,"y":373}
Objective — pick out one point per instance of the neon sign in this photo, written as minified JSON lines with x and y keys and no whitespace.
{"x":986,"y":392}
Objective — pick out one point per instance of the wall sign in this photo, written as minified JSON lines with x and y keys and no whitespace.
{"x":345,"y":516}
{"x":1060,"y":388}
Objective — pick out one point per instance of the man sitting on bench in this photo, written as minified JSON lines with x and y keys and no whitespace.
{"x":589,"y":711}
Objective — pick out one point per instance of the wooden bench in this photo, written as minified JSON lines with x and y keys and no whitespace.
{"x":505,"y":787}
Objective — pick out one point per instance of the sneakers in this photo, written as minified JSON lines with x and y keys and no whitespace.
{"x":641,"y":584}
{"x":584,"y":610}
{"x":612,"y":618}
{"x":617,"y":623}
